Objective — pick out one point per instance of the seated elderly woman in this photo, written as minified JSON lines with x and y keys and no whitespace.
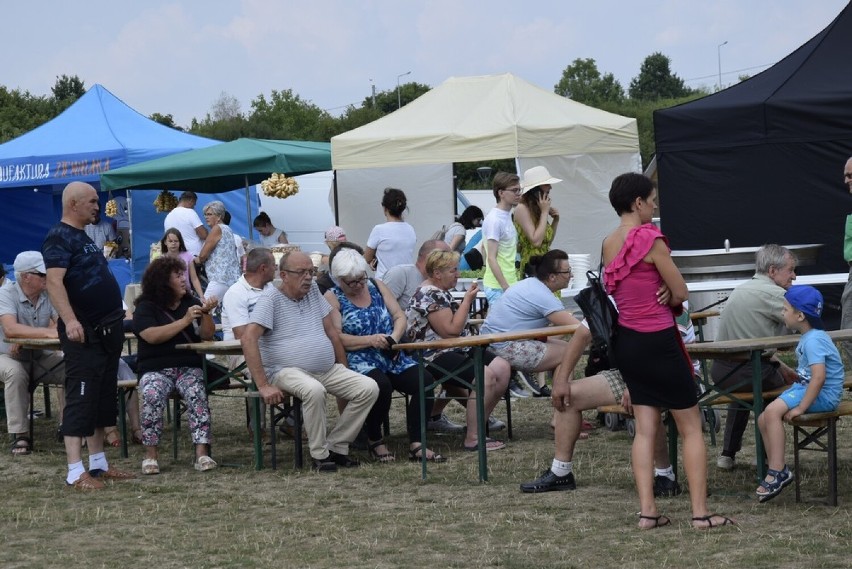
{"x":166,"y":315}
{"x":370,"y":322}
{"x":434,"y":314}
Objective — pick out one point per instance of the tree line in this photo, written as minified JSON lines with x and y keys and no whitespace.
{"x":284,"y":115}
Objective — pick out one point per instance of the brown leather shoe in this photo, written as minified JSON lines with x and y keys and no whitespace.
{"x":86,"y":482}
{"x":112,"y":474}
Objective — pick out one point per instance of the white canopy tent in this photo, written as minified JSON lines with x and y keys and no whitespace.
{"x":469,"y":119}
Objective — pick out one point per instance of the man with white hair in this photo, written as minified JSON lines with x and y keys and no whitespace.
{"x":26,"y":312}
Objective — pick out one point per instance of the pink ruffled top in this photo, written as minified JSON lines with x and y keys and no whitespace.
{"x":633,"y":283}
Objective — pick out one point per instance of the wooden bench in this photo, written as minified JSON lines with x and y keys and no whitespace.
{"x":771,"y":394}
{"x":818,"y":432}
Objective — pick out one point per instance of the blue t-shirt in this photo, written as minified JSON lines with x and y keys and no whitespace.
{"x":524,"y":306}
{"x":92,"y":290}
{"x":816,"y":347}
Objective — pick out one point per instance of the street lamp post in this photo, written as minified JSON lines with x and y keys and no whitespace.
{"x":719,"y":58}
{"x":398,"y":96}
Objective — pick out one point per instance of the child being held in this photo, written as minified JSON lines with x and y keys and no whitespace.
{"x":818,"y":389}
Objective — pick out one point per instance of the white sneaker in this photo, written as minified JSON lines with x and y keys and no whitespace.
{"x":725,"y":462}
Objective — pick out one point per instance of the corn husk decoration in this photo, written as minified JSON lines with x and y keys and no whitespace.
{"x":111,"y":208}
{"x":165,"y":202}
{"x":280,"y":186}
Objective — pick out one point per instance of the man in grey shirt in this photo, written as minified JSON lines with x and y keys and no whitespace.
{"x":404,"y":280}
{"x":290,"y":344}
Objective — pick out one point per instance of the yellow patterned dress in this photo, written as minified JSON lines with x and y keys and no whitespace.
{"x":526,"y":249}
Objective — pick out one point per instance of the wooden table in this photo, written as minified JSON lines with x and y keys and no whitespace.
{"x":749,"y":350}
{"x":477,"y":345}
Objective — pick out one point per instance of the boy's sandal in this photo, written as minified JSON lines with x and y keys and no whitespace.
{"x":708,"y":519}
{"x":377,"y":456}
{"x":659,"y":521}
{"x":414,"y":455}
{"x":769,"y":490}
{"x":150,"y":466}
{"x":21,"y":446}
{"x":87,"y":482}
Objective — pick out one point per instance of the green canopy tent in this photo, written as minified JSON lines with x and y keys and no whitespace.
{"x":223,"y":167}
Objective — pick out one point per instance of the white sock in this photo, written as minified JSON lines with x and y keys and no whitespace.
{"x":667,"y":472}
{"x":75,"y":471}
{"x":560,"y":468}
{"x":98,"y":460}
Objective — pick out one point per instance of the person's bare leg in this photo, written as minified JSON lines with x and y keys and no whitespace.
{"x":642,"y":456}
{"x":496,"y":382}
{"x":586,"y":393}
{"x":771,"y":423}
{"x":661,"y":449}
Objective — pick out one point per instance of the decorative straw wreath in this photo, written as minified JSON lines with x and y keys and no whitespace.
{"x":280,"y":186}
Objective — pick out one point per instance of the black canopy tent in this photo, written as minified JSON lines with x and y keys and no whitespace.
{"x":762,"y":161}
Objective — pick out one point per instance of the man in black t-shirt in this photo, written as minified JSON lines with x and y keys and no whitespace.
{"x":88,"y":300}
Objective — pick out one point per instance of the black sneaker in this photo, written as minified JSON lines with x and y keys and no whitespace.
{"x":527,"y":380}
{"x":548,"y":482}
{"x":665,"y":487}
{"x":324,"y":465}
{"x":543,"y":391}
{"x":342,"y":460}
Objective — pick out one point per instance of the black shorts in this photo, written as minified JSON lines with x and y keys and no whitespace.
{"x":460,"y":364}
{"x":91,"y":371}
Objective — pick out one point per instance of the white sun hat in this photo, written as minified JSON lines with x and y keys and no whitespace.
{"x":536,"y":176}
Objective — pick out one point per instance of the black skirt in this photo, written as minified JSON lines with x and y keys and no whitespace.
{"x":655,"y":368}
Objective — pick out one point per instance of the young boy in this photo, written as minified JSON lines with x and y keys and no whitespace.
{"x":818,"y":389}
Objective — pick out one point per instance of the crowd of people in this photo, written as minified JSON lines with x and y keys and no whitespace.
{"x":331,"y":325}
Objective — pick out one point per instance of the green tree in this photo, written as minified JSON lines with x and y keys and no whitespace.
{"x":20,"y":112}
{"x":68,"y":89}
{"x":286,"y":116}
{"x":656,"y":80}
{"x":582,"y":82}
{"x":388,"y":102}
{"x":165,"y":120}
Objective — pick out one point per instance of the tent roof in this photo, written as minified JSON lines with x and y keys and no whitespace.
{"x":223,"y":167}
{"x":807,"y":96}
{"x":97,"y":133}
{"x":483,"y":118}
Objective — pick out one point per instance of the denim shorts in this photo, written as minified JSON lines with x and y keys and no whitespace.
{"x":794,"y":394}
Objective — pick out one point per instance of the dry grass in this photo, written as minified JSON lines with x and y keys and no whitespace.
{"x":384,"y":516}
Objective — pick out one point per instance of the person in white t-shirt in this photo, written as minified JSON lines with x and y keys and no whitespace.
{"x":500,"y":237}
{"x":391,"y":243}
{"x":184,"y":219}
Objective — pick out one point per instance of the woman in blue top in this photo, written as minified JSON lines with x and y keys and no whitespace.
{"x":370,"y":322}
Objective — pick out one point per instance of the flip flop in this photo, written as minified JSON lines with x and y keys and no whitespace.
{"x":490,"y":444}
{"x":659,"y":521}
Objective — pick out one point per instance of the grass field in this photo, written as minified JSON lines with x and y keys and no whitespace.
{"x":385,"y":516}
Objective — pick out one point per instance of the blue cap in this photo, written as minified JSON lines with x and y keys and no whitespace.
{"x":808,"y":301}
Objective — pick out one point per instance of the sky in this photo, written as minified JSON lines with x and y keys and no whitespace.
{"x":178,"y":57}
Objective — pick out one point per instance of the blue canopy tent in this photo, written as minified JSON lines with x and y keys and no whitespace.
{"x":97,"y":133}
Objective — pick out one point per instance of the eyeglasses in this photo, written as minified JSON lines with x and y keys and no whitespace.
{"x":37,"y":274}
{"x":568,"y":272}
{"x":355,"y":282}
{"x":302,"y":273}
{"x":515,"y":191}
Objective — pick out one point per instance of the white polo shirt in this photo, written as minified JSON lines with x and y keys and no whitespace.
{"x":237,"y":305}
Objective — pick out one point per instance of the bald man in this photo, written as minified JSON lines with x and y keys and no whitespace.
{"x":88,"y":300}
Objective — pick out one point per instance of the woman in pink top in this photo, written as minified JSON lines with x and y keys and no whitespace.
{"x":648,"y":349}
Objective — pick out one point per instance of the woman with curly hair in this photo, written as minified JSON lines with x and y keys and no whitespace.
{"x":391,"y":243}
{"x":165,"y":316}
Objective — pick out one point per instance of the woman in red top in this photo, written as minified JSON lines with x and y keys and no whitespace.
{"x":648,"y":349}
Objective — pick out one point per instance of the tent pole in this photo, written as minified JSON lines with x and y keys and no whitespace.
{"x":248,"y":211}
{"x":130,"y":232}
{"x":336,"y":209}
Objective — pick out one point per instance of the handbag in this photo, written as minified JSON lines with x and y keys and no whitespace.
{"x":602,"y":318}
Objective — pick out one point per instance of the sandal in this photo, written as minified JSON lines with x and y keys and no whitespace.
{"x":21,"y":446}
{"x":150,"y":466}
{"x":111,"y":437}
{"x":205,"y":463}
{"x":136,"y":437}
{"x":708,"y":519}
{"x":380,"y":457}
{"x":780,"y":478}
{"x":490,"y":444}
{"x":87,"y":482}
{"x":414,"y":455}
{"x":659,"y":521}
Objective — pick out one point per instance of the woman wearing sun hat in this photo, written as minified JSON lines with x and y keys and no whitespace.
{"x":535,"y":234}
